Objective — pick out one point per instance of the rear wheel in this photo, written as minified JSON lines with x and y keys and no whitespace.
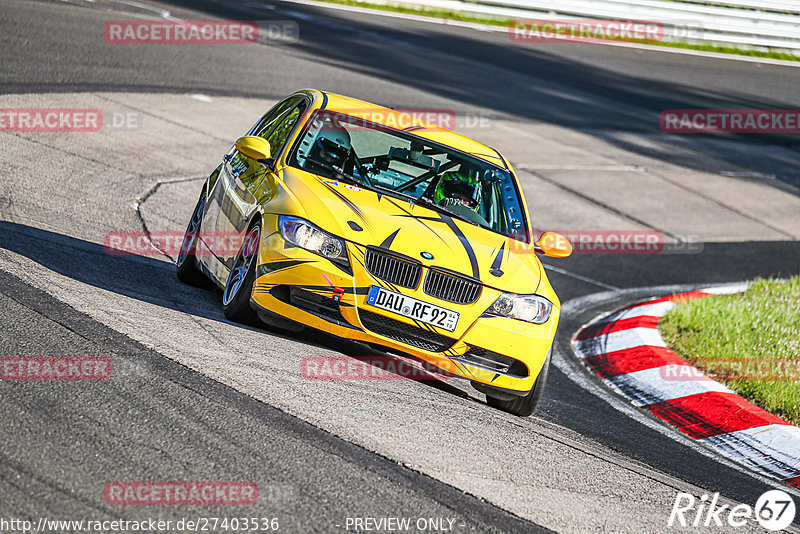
{"x":524,"y":406}
{"x":186,"y":266}
{"x":239,"y":287}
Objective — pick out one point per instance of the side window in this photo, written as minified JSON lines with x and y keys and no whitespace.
{"x":270,"y":116}
{"x":282,"y":129}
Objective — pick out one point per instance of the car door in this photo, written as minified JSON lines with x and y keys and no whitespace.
{"x":220,"y":181}
{"x":246,"y":182}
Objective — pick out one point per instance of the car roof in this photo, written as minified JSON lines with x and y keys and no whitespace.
{"x":413,"y":125}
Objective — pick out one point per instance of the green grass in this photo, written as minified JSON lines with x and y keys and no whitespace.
{"x":424,"y":11}
{"x":494,"y":21}
{"x":721,"y":333}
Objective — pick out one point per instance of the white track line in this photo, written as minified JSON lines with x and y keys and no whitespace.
{"x":773,"y":450}
{"x":568,"y":364}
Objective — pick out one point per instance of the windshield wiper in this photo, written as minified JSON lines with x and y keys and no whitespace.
{"x":422,"y":201}
{"x":437,"y":207}
{"x":338,"y":172}
{"x":428,"y":203}
{"x":394,"y":192}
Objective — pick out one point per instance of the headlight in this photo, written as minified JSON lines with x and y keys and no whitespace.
{"x":530,"y":308}
{"x":305,"y":235}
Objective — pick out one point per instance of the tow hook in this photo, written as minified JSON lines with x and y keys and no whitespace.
{"x":337,"y":294}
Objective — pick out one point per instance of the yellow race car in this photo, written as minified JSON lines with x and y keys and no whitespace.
{"x":376,"y":226}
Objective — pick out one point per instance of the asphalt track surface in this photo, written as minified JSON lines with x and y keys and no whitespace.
{"x":161,"y":417}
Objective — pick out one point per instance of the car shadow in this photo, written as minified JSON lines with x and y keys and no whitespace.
{"x":152,"y":280}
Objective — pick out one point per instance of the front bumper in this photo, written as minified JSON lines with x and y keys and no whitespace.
{"x":306,"y":288}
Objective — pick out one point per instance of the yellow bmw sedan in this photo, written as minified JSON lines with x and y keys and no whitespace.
{"x":376,"y":226}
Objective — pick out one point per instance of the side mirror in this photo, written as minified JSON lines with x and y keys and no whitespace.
{"x":554,"y":245}
{"x":256,"y":148}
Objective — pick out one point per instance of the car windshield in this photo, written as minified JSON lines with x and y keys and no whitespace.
{"x":342,"y":147}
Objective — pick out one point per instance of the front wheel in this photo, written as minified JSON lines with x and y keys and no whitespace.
{"x":524,"y":406}
{"x":239,"y":287}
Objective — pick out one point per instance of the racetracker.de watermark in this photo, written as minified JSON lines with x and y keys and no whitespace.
{"x":68,"y":120}
{"x":55,"y":368}
{"x":147,"y":524}
{"x":178,"y":493}
{"x":200,"y":31}
{"x":51,"y":120}
{"x":585,"y":31}
{"x":583,"y":242}
{"x":405,"y":118}
{"x":629,"y":242}
{"x":730,"y":121}
{"x":750,"y":370}
{"x":368,"y":368}
{"x":442,"y":117}
{"x":156,"y":243}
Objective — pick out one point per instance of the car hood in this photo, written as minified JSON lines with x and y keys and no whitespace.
{"x":368,"y":218}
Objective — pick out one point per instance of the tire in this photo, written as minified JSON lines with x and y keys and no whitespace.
{"x":239,"y":287}
{"x":186,"y":265}
{"x":524,"y":406}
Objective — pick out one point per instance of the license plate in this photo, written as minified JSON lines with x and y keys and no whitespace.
{"x":413,"y":308}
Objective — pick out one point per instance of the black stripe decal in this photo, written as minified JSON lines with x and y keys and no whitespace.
{"x":463,"y":367}
{"x":473,"y":260}
{"x":266,"y":268}
{"x":387,"y":243}
{"x":349,"y":203}
{"x":498,"y":261}
{"x":377,"y":280}
{"x":422,"y":326}
{"x":417,"y":218}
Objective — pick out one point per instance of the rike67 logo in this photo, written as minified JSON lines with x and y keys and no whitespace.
{"x":774,"y":510}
